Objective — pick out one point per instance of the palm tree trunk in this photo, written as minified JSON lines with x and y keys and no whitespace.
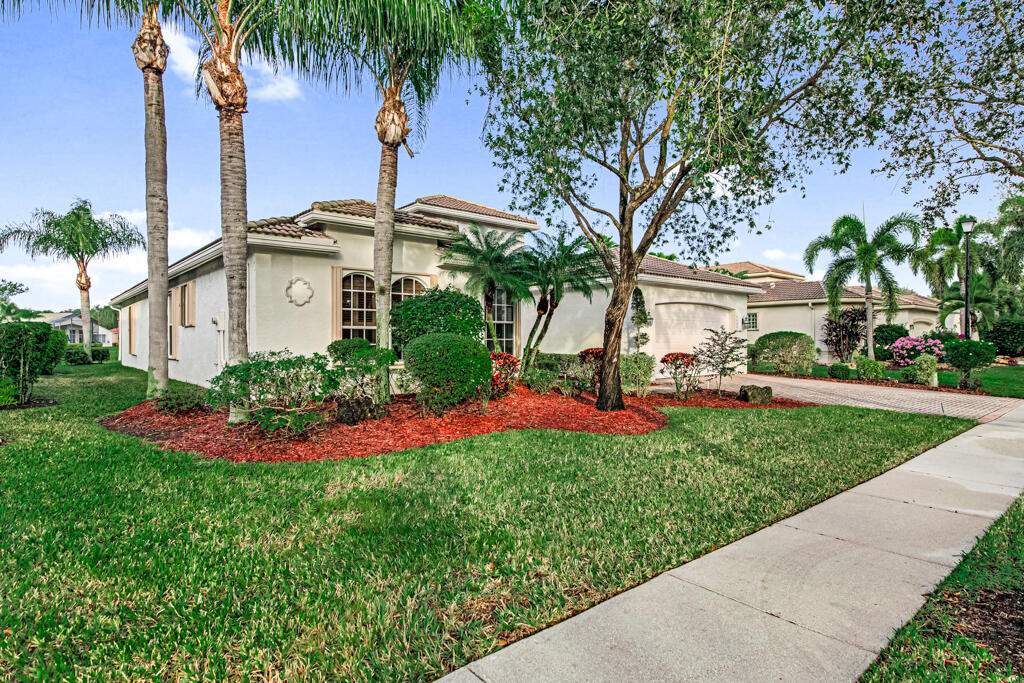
{"x":609,"y":396}
{"x":151,"y":57}
{"x":544,"y":329}
{"x":233,"y":218}
{"x":489,"y":317}
{"x":870,"y":314}
{"x":83,"y":300}
{"x":528,"y":349}
{"x":383,"y":256}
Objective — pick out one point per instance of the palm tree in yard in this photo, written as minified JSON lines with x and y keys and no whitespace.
{"x":558,"y":264}
{"x":404,"y":47}
{"x":866,"y":257}
{"x":491,"y":260}
{"x":942,"y":258}
{"x":983,"y":301}
{"x":77,"y":236}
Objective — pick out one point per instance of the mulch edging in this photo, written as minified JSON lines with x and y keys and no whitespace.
{"x":890,"y":385}
{"x":993,"y":619}
{"x":208,"y":434}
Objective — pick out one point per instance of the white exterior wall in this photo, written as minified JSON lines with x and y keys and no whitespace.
{"x":578,"y":325}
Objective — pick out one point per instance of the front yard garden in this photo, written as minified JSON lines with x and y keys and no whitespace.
{"x":120,"y":560}
{"x":971,"y":628}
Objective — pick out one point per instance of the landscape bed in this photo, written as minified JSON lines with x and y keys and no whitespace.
{"x":207,"y":432}
{"x":123,"y":561}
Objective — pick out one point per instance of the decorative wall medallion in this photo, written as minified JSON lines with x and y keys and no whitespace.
{"x":299,"y":291}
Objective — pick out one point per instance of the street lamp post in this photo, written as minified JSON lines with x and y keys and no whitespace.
{"x":968,"y":227}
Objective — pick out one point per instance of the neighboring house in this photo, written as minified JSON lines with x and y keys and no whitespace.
{"x":311,"y":282}
{"x":71,"y":325}
{"x":758,"y":272}
{"x":785,"y":305}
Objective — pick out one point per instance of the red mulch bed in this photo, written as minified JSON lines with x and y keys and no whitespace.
{"x":207,"y":432}
{"x":882,"y":383}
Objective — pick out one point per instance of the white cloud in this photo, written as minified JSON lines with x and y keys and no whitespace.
{"x":184,"y":58}
{"x":780,"y":255}
{"x":136,"y":217}
{"x":266,"y":85}
{"x":181,"y":240}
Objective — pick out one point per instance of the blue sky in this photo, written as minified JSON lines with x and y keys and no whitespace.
{"x":71,"y":124}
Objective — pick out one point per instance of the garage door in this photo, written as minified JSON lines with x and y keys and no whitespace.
{"x":681,"y":326}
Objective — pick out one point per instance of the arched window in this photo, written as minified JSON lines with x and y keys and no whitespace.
{"x":405,"y":288}
{"x":358,"y":308}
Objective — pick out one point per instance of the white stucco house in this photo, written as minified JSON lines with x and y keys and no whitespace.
{"x":787,"y":302}
{"x":71,"y":325}
{"x":311,"y":282}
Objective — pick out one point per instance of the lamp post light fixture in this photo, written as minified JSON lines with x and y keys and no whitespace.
{"x":967,"y":224}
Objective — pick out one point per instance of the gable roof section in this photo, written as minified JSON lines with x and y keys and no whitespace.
{"x":283,"y":227}
{"x":445,"y":202}
{"x":782,"y":291}
{"x":661,"y":267}
{"x":754,"y":268}
{"x":365,"y":209}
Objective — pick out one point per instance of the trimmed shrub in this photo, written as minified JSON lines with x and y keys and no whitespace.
{"x":56,"y":346}
{"x":637,"y":372}
{"x":922,"y":371}
{"x":540,"y":380}
{"x":869,"y":369}
{"x":1008,"y":337}
{"x":906,"y":350}
{"x":785,"y":352}
{"x":882,"y":353}
{"x":25,"y":353}
{"x":448,"y":367}
{"x":556,"y":362}
{"x":75,"y":355}
{"x":579,"y":377}
{"x":504,"y":367}
{"x":341,"y":349}
{"x":888,"y":333}
{"x":967,"y":355}
{"x":285,"y":392}
{"x":436,"y":311}
{"x":181,"y":399}
{"x":840,"y":371}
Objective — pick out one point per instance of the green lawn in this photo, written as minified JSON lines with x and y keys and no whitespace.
{"x":933,"y":646}
{"x":119,"y":561}
{"x":998,"y":380}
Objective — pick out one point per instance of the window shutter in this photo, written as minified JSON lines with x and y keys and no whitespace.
{"x":190,"y":304}
{"x":132,"y":321}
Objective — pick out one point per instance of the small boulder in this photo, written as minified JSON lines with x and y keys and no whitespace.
{"x":751,"y":393}
{"x":354,"y":410}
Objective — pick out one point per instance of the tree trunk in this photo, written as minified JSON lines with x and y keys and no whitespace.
{"x":151,"y":52}
{"x":870,"y":313}
{"x":609,"y":395}
{"x":233,"y":218}
{"x":83,"y":295}
{"x":528,"y":349}
{"x":383,"y":256}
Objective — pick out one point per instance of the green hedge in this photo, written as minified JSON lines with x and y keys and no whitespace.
{"x":840,"y":371}
{"x":449,"y":368}
{"x":27,"y":350}
{"x":1008,"y":337}
{"x":888,"y":333}
{"x":436,"y":311}
{"x":75,"y":354}
{"x":787,"y":352}
{"x":556,"y":362}
{"x":869,"y":369}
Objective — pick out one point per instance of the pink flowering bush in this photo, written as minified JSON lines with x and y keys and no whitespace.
{"x":906,"y":350}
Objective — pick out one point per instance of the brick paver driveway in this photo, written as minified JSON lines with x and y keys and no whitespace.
{"x":983,"y":408}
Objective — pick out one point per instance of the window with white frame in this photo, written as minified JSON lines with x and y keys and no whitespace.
{"x":404,"y":288}
{"x":504,"y":323}
{"x":358,"y":308}
{"x":750,"y":321}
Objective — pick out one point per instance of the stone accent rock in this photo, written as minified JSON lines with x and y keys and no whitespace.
{"x":354,"y":410}
{"x":751,"y":393}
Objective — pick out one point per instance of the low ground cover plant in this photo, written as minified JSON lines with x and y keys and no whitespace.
{"x":906,"y":350}
{"x":539,"y":379}
{"x":182,"y":399}
{"x":283,"y":391}
{"x":786,"y":352}
{"x":449,"y":369}
{"x":637,"y":371}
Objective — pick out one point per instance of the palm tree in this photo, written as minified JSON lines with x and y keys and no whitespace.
{"x":942,"y":259}
{"x":983,"y":301}
{"x":76,"y":236}
{"x":405,"y":47}
{"x":558,"y":264}
{"x":229,"y":28}
{"x":856,"y":254}
{"x":492,"y":260}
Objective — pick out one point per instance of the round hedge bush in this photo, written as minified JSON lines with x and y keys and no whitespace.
{"x":786,"y":352}
{"x":888,"y":333}
{"x":448,"y":367}
{"x":434,"y":311}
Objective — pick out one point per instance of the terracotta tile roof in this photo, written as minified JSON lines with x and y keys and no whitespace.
{"x":283,"y":227}
{"x":814,"y":291}
{"x":361,"y":207}
{"x":754,"y":267}
{"x":446,"y":202}
{"x":655,"y":265}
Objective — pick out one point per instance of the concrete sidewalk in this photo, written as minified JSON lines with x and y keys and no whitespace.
{"x":814,"y":597}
